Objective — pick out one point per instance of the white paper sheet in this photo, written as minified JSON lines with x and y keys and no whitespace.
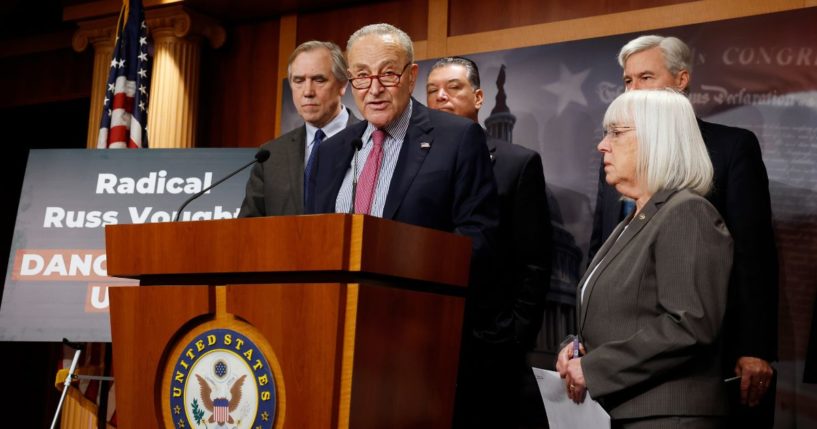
{"x":562,"y":412}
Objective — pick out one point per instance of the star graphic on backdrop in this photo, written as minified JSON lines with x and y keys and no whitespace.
{"x":568,"y":88}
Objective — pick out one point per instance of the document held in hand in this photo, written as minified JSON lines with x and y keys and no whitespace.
{"x":563,"y":412}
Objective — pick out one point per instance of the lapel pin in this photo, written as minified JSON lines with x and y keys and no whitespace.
{"x":641,"y":216}
{"x":491,"y":155}
{"x":425,"y":145}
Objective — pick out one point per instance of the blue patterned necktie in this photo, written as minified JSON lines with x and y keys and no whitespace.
{"x":316,"y":142}
{"x":627,"y":207}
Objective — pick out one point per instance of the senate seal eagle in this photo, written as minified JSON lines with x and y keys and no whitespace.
{"x":221,"y":399}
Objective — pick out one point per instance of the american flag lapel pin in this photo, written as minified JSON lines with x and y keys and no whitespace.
{"x":425,"y":145}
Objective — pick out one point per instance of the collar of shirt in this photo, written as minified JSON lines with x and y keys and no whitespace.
{"x":396,"y":130}
{"x":590,"y":276}
{"x":336,"y":125}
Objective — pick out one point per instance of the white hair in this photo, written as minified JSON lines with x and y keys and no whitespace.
{"x":677,"y":55}
{"x":384,"y":29}
{"x":671,"y":151}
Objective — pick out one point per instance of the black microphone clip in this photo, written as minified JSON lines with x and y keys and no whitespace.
{"x":73,"y":345}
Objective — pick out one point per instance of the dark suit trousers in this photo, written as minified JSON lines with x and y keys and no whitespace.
{"x":704,"y":422}
{"x":488,"y":384}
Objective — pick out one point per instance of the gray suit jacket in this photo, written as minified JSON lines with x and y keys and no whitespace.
{"x":652,"y":312}
{"x":276,"y":186}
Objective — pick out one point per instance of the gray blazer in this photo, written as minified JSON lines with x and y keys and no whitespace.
{"x":276,"y":186}
{"x":652,"y":312}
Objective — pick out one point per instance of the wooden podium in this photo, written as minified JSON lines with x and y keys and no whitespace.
{"x":362,"y":315}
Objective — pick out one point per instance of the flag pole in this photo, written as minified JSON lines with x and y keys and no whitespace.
{"x":67,"y":384}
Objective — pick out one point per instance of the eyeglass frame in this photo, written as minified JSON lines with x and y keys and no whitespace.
{"x":378,"y":76}
{"x":615,"y":132}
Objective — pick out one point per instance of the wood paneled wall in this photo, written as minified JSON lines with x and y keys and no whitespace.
{"x":337,"y":25}
{"x":239,"y":88}
{"x":241,"y":81}
{"x":476,"y":16}
{"x":635,"y":20}
{"x":462,"y":27}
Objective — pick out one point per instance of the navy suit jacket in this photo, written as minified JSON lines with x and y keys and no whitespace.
{"x":524,"y":245}
{"x":448,"y":185}
{"x":741,"y":195}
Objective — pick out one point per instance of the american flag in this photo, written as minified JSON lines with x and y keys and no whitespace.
{"x":124,"y":113}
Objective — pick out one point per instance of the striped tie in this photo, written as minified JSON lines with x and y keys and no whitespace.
{"x":368,"y":177}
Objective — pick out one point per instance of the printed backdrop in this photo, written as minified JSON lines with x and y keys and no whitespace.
{"x":56,"y":282}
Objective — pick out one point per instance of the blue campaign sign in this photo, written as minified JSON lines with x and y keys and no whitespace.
{"x":56,"y":283}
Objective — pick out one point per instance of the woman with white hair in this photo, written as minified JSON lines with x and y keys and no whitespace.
{"x":651,"y":304}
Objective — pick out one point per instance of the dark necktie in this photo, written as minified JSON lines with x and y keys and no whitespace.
{"x":627,"y":207}
{"x":316,"y":142}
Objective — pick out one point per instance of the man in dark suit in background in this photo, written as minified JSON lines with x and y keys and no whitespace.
{"x":414,"y":165}
{"x":741,"y":195}
{"x":523,"y":251}
{"x":317,"y":78}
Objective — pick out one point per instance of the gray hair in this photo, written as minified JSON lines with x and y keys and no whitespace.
{"x":470,"y":67}
{"x":677,"y":55}
{"x":671,"y":151}
{"x":338,"y":60}
{"x":384,"y":29}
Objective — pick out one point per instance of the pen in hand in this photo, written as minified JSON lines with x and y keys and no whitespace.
{"x":575,"y":348}
{"x":575,"y":391}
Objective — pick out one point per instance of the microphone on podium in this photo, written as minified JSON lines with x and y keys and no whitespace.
{"x":357,"y":144}
{"x":260,"y":156}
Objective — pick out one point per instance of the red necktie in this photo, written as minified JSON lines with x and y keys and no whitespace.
{"x":368,"y":177}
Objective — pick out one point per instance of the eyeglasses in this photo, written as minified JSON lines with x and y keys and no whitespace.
{"x":615,"y":132}
{"x":386,"y":79}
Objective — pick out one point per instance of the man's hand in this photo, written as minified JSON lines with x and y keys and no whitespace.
{"x":755,"y":375}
